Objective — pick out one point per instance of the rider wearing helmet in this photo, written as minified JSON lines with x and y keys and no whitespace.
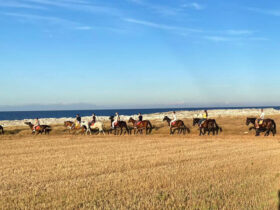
{"x":204,"y":117}
{"x":174,"y":118}
{"x":116,"y":119}
{"x":78,"y":120}
{"x":93,"y":119}
{"x":260,"y":119}
{"x":37,"y":123}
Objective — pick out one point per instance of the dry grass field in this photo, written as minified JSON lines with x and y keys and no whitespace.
{"x":231,"y":171}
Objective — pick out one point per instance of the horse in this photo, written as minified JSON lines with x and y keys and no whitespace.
{"x":97,"y":125}
{"x":120,"y":124}
{"x":71,"y":126}
{"x":267,"y":126}
{"x":40,"y":129}
{"x":141,"y":125}
{"x":2,"y":130}
{"x":177,"y":125}
{"x":209,"y":125}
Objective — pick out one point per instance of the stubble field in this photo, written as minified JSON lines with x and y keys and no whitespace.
{"x":231,"y":171}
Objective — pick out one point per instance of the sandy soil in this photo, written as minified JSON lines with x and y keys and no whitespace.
{"x":234,"y":170}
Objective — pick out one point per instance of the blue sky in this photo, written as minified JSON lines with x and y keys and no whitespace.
{"x":136,"y":53}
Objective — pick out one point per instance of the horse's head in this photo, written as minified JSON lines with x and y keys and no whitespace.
{"x":250,"y":120}
{"x":247,"y":121}
{"x":165,"y":118}
{"x":111,"y":118}
{"x":195,"y":121}
{"x":130,"y":120}
{"x":27,"y":123}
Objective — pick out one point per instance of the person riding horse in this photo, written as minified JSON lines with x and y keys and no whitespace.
{"x":174,"y":118}
{"x":116,"y":120}
{"x":78,"y":121}
{"x":93,"y":121}
{"x":140,"y":118}
{"x":259,"y":120}
{"x":204,"y":118}
{"x":36,"y":124}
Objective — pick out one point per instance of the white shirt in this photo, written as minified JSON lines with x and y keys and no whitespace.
{"x":262,"y":116}
{"x":174,"y":117}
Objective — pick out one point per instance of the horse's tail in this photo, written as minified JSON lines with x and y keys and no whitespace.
{"x":274,"y":127}
{"x":150,"y":127}
{"x":218,"y":127}
{"x":188,"y":130}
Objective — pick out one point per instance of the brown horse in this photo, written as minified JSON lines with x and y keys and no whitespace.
{"x":267,"y":126}
{"x":39,"y":129}
{"x":141,"y":125}
{"x":177,"y":125}
{"x":1,"y":130}
{"x":120,"y":125}
{"x":209,"y":125}
{"x":71,"y":126}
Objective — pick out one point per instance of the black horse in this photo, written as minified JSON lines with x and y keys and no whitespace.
{"x":209,"y":125}
{"x":267,"y":126}
{"x":121,"y":125}
{"x":1,"y":130}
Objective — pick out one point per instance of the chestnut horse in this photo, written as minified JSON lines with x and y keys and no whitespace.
{"x":177,"y":125}
{"x":209,"y":125}
{"x":71,"y":126}
{"x":120,"y":124}
{"x":1,"y":130}
{"x":139,"y":126}
{"x":267,"y":126}
{"x":39,"y":129}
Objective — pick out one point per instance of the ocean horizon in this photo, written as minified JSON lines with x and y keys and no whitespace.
{"x":21,"y":115}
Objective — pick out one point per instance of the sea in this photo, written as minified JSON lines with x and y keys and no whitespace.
{"x":21,"y":115}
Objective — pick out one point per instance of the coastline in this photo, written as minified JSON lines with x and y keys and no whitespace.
{"x":247,"y":112}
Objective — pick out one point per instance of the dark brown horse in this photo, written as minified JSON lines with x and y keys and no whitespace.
{"x":120,"y":125}
{"x":141,"y":125}
{"x":209,"y":125}
{"x":71,"y":126}
{"x":1,"y":130}
{"x":46,"y":129}
{"x":177,"y":125}
{"x":267,"y":126}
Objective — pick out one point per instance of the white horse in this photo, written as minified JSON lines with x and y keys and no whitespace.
{"x":98,"y":125}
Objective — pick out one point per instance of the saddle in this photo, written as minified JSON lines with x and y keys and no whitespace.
{"x":37,"y":128}
{"x":174,"y":123}
{"x":116,"y":124}
{"x":92,"y":124}
{"x":138,"y":123}
{"x":260,"y":122}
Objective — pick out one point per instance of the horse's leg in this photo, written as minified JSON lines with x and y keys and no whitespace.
{"x":170,"y":132}
{"x":257,"y":132}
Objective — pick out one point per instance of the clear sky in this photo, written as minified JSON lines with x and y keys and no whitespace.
{"x":135,"y":53}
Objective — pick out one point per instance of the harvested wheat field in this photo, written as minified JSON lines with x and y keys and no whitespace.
{"x":158,"y":171}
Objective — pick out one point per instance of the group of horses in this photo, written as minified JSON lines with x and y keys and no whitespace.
{"x":209,"y":126}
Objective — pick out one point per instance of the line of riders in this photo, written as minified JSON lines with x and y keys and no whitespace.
{"x":205,"y":125}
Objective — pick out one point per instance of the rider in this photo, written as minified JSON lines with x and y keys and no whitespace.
{"x":261,"y":118}
{"x":174,"y":118}
{"x":116,"y":119}
{"x":140,"y":117}
{"x":37,"y":123}
{"x":93,"y":119}
{"x":78,"y":120}
{"x":204,"y":117}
